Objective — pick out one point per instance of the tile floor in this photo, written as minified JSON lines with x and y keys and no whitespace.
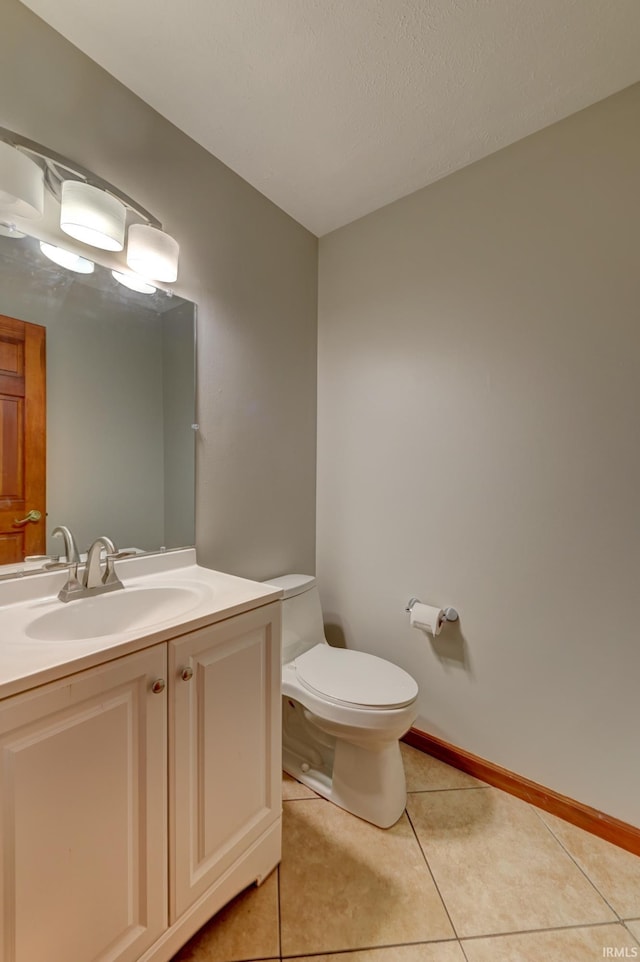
{"x":468,"y":874}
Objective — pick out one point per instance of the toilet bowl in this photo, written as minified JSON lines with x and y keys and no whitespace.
{"x":343,"y":712}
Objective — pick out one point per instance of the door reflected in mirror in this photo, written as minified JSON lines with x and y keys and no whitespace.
{"x":120,"y":400}
{"x":23,"y":462}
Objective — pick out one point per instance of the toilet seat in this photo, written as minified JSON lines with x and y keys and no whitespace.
{"x":354,"y":678}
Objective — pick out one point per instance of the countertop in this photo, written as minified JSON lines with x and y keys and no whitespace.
{"x":26,"y":662}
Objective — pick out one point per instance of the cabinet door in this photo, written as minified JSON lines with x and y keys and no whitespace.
{"x":224,"y":747}
{"x":83,"y":815}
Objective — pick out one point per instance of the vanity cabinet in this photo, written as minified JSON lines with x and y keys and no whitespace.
{"x":82,"y":794}
{"x":139,"y":796}
{"x":225,"y":784}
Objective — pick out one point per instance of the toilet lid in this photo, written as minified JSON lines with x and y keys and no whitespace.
{"x":355,"y":678}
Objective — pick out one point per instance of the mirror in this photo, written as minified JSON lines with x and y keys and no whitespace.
{"x":120,"y":370}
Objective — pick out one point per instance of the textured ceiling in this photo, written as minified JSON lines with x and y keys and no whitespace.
{"x":333,"y":108}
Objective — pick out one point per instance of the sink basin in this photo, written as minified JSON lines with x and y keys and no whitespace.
{"x":117,"y":611}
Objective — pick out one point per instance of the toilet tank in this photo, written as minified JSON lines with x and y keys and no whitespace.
{"x":302,"y":626}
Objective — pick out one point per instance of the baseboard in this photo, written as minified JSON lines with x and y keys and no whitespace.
{"x":590,"y":819}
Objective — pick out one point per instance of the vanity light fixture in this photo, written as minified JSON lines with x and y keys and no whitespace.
{"x":73,"y":262}
{"x":92,"y":210}
{"x":92,"y":216}
{"x":134,"y":282}
{"x":152,"y":253}
{"x":21,"y":184}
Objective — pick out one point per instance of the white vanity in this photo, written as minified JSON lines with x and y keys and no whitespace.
{"x":140,"y":771}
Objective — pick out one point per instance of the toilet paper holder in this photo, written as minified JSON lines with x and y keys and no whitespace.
{"x":449,"y":614}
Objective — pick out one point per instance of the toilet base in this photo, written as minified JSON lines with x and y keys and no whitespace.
{"x":368,"y":783}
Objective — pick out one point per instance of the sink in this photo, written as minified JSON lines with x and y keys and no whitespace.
{"x":117,"y":611}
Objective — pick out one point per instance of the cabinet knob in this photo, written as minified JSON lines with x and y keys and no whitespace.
{"x":158,"y":686}
{"x":186,"y":674}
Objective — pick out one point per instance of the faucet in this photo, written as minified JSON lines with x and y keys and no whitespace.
{"x":93,"y":577}
{"x":94,"y":582}
{"x":70,"y":546}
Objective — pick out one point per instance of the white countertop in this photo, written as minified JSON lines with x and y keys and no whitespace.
{"x":26,"y":661}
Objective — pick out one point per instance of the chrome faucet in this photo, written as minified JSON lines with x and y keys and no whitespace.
{"x":70,"y":546}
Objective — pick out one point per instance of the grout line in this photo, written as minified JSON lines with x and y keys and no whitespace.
{"x":459,"y":788}
{"x":304,"y":798}
{"x":554,"y":928}
{"x":279,"y":910}
{"x":633,"y":936}
{"x":368,"y":948}
{"x":426,"y":862}
{"x":464,"y":954}
{"x":466,"y":957}
{"x":575,"y":862}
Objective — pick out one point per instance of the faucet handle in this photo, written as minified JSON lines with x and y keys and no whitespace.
{"x":116,"y":555}
{"x":110,"y":577}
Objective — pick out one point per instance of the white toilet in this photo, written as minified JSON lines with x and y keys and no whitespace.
{"x":343,"y":712}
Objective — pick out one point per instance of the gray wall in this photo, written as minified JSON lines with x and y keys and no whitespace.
{"x":179,"y":439}
{"x":479,"y":390}
{"x":249,"y":267}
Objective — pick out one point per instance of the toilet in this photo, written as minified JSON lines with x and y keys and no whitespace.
{"x":343,"y":712}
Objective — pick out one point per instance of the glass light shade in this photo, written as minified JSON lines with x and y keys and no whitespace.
{"x":134,"y":283}
{"x":92,"y":216}
{"x":21,"y":184}
{"x":152,"y":253}
{"x":73,"y":262}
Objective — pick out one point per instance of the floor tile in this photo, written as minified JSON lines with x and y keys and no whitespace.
{"x":634,"y":928}
{"x":425,"y":773}
{"x":345,"y":884}
{"x":246,"y":928}
{"x":292,"y":788}
{"x":425,"y":952}
{"x":613,"y":871}
{"x":497,"y":866}
{"x":563,"y":945}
